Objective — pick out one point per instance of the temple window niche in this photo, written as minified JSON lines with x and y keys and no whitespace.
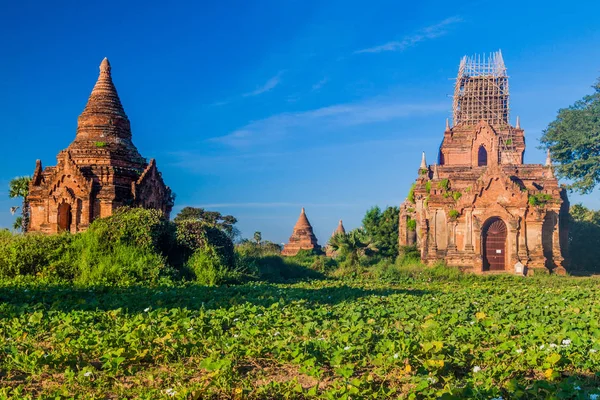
{"x":482,"y":156}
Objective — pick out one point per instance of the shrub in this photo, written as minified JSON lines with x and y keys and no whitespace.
{"x":444,"y":184}
{"x":411,"y":193}
{"x":539,"y":199}
{"x":208,"y":268}
{"x":139,"y":227}
{"x":30,"y":254}
{"x":194,"y":235}
{"x":453,"y":214}
{"x":428,"y":186}
{"x":411,"y":224}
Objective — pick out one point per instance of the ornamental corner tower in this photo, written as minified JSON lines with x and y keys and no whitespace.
{"x":98,"y":172}
{"x":480,"y":206}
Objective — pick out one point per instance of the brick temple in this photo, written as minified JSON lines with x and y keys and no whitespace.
{"x":303,"y":237}
{"x":480,"y":206}
{"x":100,"y":171}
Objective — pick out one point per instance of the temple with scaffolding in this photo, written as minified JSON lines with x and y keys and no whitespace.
{"x":480,"y":206}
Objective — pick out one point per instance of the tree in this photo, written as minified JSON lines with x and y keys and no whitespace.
{"x":573,"y":139}
{"x":19,"y":187}
{"x":214,"y":218}
{"x":383,"y":228}
{"x":584,"y":239}
{"x":257,"y":237}
{"x":353,"y":245}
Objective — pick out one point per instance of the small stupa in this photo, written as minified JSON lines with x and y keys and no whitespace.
{"x":303,"y":237}
{"x":329,"y":252}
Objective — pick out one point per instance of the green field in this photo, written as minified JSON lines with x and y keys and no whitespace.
{"x":422,"y":335}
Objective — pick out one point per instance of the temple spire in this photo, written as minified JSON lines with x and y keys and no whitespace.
{"x":435,"y":172}
{"x":423,"y":162}
{"x":447,"y":125}
{"x":548,"y":159}
{"x":340,"y":228}
{"x":518,"y":126}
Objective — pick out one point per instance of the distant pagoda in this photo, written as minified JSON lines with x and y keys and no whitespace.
{"x":100,"y":171}
{"x":340,"y":230}
{"x":302,"y":237}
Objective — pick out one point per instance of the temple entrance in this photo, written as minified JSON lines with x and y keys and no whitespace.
{"x":482,"y":157}
{"x":494,"y":245}
{"x":65,"y":218}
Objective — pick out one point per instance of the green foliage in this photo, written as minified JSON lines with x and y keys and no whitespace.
{"x":147,"y":229}
{"x":224,"y":222}
{"x":539,"y":199}
{"x":430,"y":331}
{"x":508,"y":142}
{"x":19,"y":187}
{"x":269,"y":265}
{"x":428,"y":186}
{"x":194,"y":235}
{"x":411,"y":224}
{"x":456,"y":195}
{"x":444,"y":184}
{"x":208,"y":268}
{"x":584,"y":239}
{"x":382,"y":230}
{"x":573,"y":138}
{"x":453,"y":214}
{"x":30,"y":254}
{"x":100,"y":144}
{"x":411,"y":193}
{"x":353,"y":246}
{"x":257,"y":237}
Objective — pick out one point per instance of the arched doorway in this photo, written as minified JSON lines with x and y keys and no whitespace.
{"x":64,"y":217}
{"x":494,"y":245}
{"x":482,"y":156}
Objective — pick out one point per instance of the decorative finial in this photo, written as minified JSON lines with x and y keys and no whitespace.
{"x":435,"y":172}
{"x":105,"y":65}
{"x":518,"y":123}
{"x":548,"y":159}
{"x":302,"y":210}
{"x":447,"y":125}
{"x":423,"y":162}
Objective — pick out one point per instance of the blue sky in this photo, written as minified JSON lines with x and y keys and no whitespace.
{"x":259,"y":108}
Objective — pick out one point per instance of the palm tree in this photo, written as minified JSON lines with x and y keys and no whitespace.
{"x":353,"y":245}
{"x":19,"y":187}
{"x":257,"y":237}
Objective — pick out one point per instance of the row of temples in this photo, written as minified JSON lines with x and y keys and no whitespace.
{"x":480,"y":206}
{"x":98,"y":172}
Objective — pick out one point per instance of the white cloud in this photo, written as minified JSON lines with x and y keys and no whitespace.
{"x":330,"y":118}
{"x":427,"y":33}
{"x":269,"y":85}
{"x":320,"y":84}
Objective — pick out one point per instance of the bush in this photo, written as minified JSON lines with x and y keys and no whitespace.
{"x":207,"y":267}
{"x":194,"y":235}
{"x":139,"y":227}
{"x":31,"y":254}
{"x":92,"y":262}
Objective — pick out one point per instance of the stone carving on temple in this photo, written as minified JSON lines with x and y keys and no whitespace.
{"x":302,"y":237}
{"x":480,"y":206}
{"x":98,"y":172}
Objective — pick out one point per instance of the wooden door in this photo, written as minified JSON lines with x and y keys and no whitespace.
{"x":495,"y":246}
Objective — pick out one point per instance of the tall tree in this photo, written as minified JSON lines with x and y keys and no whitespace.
{"x":19,"y":187}
{"x":584,"y":239}
{"x":214,"y":218}
{"x":257,"y":237}
{"x":383,"y":228}
{"x":573,"y":139}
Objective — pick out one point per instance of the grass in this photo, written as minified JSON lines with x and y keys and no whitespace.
{"x":412,"y":331}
